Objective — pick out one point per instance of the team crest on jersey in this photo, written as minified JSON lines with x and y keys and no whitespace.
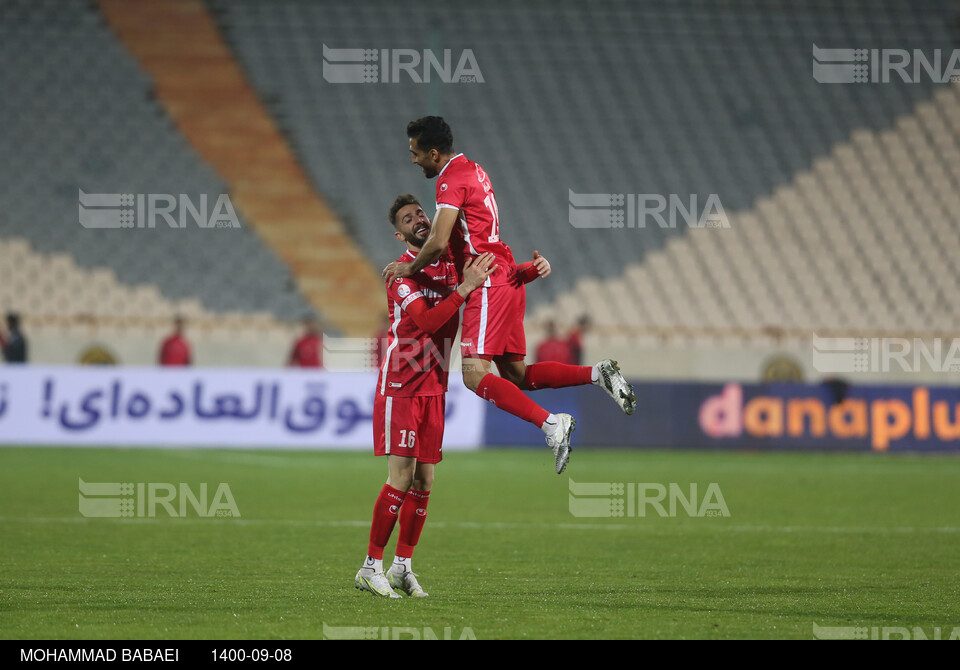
{"x":443,"y":187}
{"x":403,"y":291}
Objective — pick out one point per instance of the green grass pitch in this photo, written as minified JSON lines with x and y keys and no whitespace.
{"x":826,"y":539}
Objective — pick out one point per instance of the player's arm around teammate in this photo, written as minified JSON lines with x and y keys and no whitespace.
{"x":436,"y":243}
{"x":405,"y":472}
{"x":409,"y":405}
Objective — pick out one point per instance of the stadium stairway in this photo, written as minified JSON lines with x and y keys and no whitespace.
{"x":206,"y":94}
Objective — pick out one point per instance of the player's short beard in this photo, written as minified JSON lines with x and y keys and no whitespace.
{"x":415,"y":241}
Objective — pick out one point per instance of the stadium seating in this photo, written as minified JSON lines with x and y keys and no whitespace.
{"x":821,"y":183}
{"x":44,"y":285}
{"x":841,"y":198}
{"x":861,"y":242}
{"x":79,"y":114}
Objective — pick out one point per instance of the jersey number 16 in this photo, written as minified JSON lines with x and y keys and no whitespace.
{"x":407,"y":439}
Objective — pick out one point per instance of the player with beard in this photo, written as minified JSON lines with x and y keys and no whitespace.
{"x":409,"y":407}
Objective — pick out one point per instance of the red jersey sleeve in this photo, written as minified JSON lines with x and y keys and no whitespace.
{"x":404,"y":291}
{"x":409,"y":295}
{"x":432,"y":319}
{"x":527,"y":272}
{"x":451,"y":190}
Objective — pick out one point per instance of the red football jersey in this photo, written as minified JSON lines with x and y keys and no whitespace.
{"x":464,"y":185}
{"x":307,"y":352}
{"x":175,"y":350}
{"x":417,"y":363}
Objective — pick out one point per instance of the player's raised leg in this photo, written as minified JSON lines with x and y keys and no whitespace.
{"x":507,"y":396}
{"x":549,"y":375}
{"x":413,"y":516}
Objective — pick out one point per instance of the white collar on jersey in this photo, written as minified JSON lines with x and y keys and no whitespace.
{"x":440,"y":174}
{"x":433,"y":264}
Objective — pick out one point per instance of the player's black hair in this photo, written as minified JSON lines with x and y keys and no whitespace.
{"x":431,"y":132}
{"x":401,"y":202}
{"x":13,"y":321}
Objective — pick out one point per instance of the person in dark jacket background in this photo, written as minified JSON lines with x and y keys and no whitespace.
{"x":13,"y":343}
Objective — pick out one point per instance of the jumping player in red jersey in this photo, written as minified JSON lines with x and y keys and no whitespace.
{"x":468,"y":222}
{"x":409,"y":405}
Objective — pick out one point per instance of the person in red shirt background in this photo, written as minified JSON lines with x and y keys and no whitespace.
{"x":175,"y":350}
{"x":307,"y":352}
{"x":554,"y":348}
{"x":575,"y":339}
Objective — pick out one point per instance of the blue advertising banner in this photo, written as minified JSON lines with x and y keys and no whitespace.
{"x":751,"y":416}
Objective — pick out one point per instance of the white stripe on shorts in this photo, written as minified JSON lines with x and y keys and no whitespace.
{"x":387,"y":412}
{"x":483,"y":322}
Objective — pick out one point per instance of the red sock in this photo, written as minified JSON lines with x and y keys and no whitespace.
{"x":549,"y":375}
{"x":413,"y":514}
{"x":384,"y":519}
{"x":509,"y":398}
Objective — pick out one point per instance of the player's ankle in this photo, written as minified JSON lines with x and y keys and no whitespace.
{"x":371,"y":564}
{"x":550,"y":426}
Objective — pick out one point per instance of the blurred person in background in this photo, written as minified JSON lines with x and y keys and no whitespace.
{"x":838,"y":389}
{"x":307,"y":352}
{"x":554,"y":348}
{"x":575,"y":339}
{"x":175,"y":350}
{"x":13,"y":344}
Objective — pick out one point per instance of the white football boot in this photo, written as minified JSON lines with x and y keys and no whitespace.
{"x":559,"y":441}
{"x":611,"y":381}
{"x":374,"y":582}
{"x":406,"y":581}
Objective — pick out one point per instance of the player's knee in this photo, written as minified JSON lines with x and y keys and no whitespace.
{"x":423,"y":482}
{"x":401,"y":478}
{"x":515,"y":378}
{"x":472,"y":379}
{"x":514,"y":373}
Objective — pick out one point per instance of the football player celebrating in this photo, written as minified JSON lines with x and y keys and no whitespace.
{"x":409,"y":407}
{"x":468,"y":220}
